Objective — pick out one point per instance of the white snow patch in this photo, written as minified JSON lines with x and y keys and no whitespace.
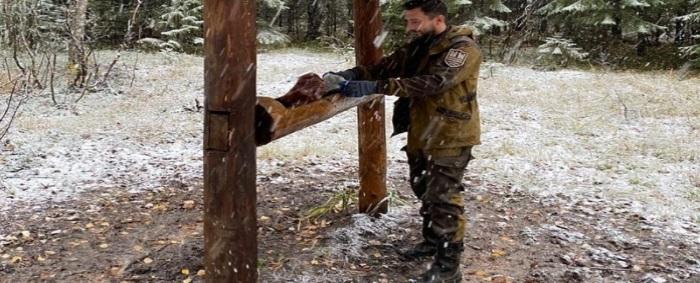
{"x":619,"y":135}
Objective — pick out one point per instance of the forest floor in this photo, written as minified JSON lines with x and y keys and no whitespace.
{"x":583,"y":176}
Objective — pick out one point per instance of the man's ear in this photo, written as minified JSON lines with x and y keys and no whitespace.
{"x":441,"y":18}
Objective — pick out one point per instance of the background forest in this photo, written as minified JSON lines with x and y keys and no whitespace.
{"x":639,"y":34}
{"x":588,"y":169}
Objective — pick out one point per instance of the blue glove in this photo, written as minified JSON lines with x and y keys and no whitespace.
{"x":358,"y":88}
{"x":348,"y":74}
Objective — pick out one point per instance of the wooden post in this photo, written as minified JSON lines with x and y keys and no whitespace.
{"x":230,"y":232}
{"x":370,"y":116}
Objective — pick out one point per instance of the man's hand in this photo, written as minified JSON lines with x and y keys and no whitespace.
{"x":358,"y":88}
{"x":331,"y":82}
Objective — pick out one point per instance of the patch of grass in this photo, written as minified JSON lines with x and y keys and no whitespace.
{"x":395,"y":200}
{"x":604,"y":166}
{"x":693,"y":194}
{"x":336,"y":203}
{"x":507,"y":148}
{"x":343,"y":201}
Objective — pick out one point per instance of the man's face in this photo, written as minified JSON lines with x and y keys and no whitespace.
{"x":419,"y":24}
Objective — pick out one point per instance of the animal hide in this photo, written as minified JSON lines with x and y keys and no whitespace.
{"x":308,"y":88}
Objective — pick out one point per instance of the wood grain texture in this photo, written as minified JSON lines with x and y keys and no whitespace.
{"x":230,"y":233}
{"x":370,"y":116}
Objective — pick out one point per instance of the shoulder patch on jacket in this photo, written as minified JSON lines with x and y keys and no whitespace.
{"x":455,"y":58}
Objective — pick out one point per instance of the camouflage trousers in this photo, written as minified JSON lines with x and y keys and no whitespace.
{"x":437,"y":182}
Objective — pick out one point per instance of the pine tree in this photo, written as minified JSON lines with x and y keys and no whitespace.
{"x":559,"y":51}
{"x":482,"y":14}
{"x":267,"y":33}
{"x":692,"y":19}
{"x":180,"y":26}
{"x":183,"y":23}
{"x":620,"y":17}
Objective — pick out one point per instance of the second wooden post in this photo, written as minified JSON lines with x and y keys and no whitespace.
{"x":370,"y":116}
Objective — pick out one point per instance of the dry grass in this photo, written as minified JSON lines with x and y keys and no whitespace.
{"x":624,"y":135}
{"x":621,"y":135}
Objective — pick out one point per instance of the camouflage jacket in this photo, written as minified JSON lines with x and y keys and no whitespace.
{"x":437,"y":80}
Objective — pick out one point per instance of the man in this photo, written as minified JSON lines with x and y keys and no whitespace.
{"x":435,"y":77}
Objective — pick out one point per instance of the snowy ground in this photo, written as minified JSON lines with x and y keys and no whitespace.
{"x":593,"y":143}
{"x":620,"y":135}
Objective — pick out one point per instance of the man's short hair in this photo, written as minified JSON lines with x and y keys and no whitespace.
{"x":432,"y":8}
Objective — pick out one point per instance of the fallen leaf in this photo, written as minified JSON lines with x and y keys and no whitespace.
{"x":188,"y":280}
{"x":497,"y":253}
{"x":500,"y":279}
{"x":507,"y":239}
{"x":115,"y":271}
{"x":147,"y":260}
{"x":185,"y":271}
{"x":16,"y":259}
{"x":40,"y":258}
{"x":201,"y":273}
{"x":161,"y":207}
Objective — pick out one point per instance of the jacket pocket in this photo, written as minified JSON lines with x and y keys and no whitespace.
{"x":453,"y":115}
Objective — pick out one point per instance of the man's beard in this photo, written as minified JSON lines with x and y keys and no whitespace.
{"x":417,"y":37}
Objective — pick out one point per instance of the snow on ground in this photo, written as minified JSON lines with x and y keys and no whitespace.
{"x":623,"y":136}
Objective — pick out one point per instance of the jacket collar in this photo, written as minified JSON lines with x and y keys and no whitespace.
{"x":445,"y":40}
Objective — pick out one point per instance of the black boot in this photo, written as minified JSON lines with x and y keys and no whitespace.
{"x":421,"y":250}
{"x":429,"y":245}
{"x":439,"y":274}
{"x":446,"y":268}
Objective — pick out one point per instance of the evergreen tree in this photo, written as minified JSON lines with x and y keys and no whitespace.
{"x":267,"y":33}
{"x":692,"y":20}
{"x":619,"y":17}
{"x":182,"y":22}
{"x":482,"y":15}
{"x":559,"y":51}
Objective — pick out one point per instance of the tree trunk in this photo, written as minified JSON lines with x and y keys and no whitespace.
{"x":314,"y":20}
{"x":291,"y":18}
{"x":78,"y":15}
{"x":12,"y":26}
{"x":351,"y":27}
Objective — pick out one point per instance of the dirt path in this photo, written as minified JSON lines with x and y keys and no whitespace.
{"x":513,"y":236}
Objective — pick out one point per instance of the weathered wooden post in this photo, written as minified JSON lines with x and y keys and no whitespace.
{"x":230,"y":233}
{"x":370,"y":116}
